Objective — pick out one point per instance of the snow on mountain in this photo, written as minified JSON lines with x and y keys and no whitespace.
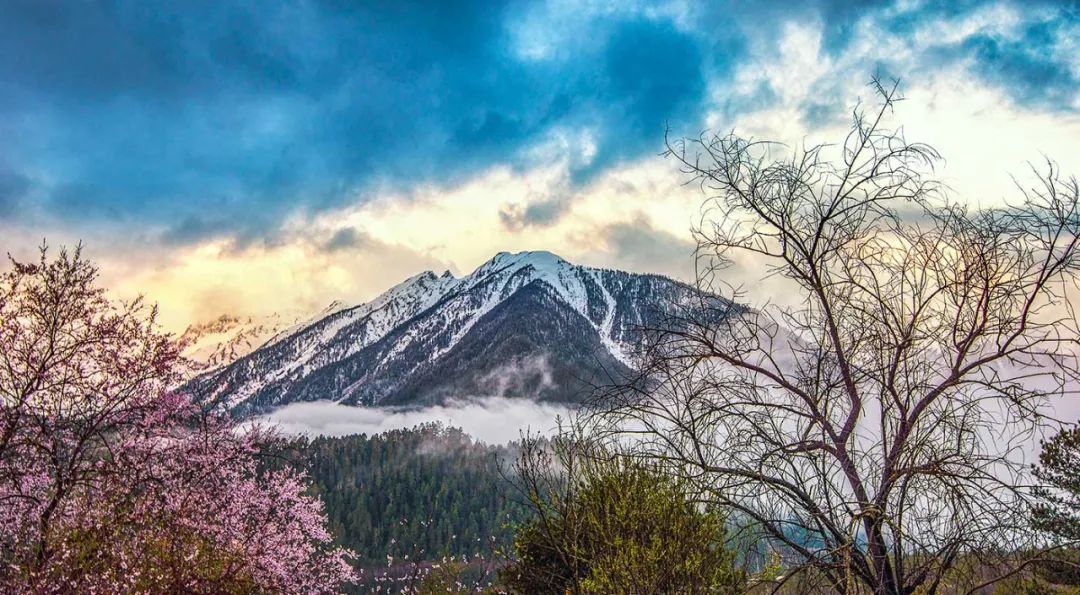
{"x":528,"y":325}
{"x":219,"y":342}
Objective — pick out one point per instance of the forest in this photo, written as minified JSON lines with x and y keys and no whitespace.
{"x":428,"y":492}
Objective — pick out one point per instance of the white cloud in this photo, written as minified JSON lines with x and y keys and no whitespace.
{"x":993,"y":19}
{"x":494,"y":420}
{"x":983,"y":134}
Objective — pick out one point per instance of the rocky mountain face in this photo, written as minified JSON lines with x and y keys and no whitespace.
{"x":528,"y":325}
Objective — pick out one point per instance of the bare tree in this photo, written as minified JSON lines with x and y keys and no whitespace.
{"x":870,"y":431}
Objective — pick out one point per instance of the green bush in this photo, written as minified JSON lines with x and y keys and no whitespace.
{"x":622,"y":528}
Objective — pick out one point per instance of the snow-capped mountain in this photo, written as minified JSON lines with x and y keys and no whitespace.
{"x":521,"y":325}
{"x":219,"y":342}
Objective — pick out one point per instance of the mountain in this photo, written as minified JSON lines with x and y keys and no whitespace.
{"x":521,"y":325}
{"x":219,"y":342}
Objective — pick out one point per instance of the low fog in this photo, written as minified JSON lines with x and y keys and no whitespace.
{"x":495,"y":420}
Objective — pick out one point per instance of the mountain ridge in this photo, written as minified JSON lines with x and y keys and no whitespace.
{"x":527,"y":324}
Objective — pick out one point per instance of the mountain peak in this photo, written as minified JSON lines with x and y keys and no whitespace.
{"x":536,"y":258}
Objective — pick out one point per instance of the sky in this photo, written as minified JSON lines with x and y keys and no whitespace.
{"x":249,"y":157}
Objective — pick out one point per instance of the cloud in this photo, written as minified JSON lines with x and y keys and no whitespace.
{"x":345,"y":238}
{"x":209,"y":120}
{"x":526,"y":376}
{"x":494,"y":420}
{"x":298,"y":274}
{"x":638,"y":245}
{"x":546,"y":211}
{"x":1026,"y":65}
{"x":214,"y":119}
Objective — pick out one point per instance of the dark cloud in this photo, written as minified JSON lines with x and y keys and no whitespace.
{"x":538,"y":213}
{"x":196,"y":227}
{"x":639,"y":246}
{"x":1026,"y":67}
{"x":163,"y":112}
{"x":346,"y":238}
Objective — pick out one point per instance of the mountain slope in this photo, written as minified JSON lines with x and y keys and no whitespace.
{"x":528,"y":325}
{"x":223,"y":340}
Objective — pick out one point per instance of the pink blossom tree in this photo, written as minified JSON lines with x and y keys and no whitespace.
{"x":110,"y":482}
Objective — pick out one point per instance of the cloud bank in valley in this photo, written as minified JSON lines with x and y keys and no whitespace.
{"x":495,"y":420}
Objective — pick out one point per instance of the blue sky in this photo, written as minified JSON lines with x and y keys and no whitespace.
{"x":164,"y":128}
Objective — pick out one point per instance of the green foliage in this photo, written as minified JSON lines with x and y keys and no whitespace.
{"x":1058,"y":511}
{"x":171,"y":557}
{"x":1058,"y":514}
{"x":1060,"y":567}
{"x":454,"y":577}
{"x":624,"y":528}
{"x":1024,"y":585}
{"x":426,"y":493}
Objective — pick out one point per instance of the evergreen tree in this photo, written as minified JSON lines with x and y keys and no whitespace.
{"x":1058,"y":511}
{"x":425,"y":492}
